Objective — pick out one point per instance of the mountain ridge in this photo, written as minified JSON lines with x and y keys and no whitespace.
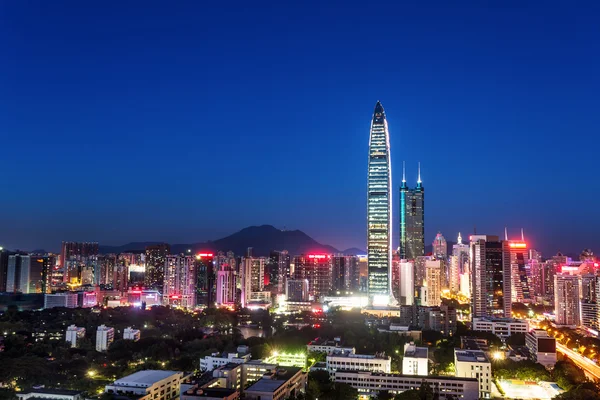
{"x":263,"y":239}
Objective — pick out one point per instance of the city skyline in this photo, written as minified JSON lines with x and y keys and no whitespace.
{"x":119,"y":113}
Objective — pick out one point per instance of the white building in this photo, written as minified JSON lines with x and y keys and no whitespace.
{"x":358,"y":362}
{"x":281,"y":384}
{"x":217,"y":360}
{"x":50,"y":394}
{"x":74,"y":334}
{"x":148,"y":385}
{"x":474,"y":364}
{"x":369,"y":384}
{"x":431,"y":291}
{"x":542,"y":347}
{"x":407,"y":283}
{"x":328,"y":346}
{"x":253,"y":277}
{"x":131,"y":334}
{"x":501,"y":327}
{"x":68,"y":300}
{"x":566,"y":299}
{"x":416,"y":360}
{"x":226,"y":289}
{"x":104,"y":337}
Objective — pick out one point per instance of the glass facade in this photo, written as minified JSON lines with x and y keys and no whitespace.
{"x":412,"y":221}
{"x":379,"y":209}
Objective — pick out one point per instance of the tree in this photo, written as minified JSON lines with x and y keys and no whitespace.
{"x":384,"y":395}
{"x":585,"y":391}
{"x":412,"y":394}
{"x":516,"y":339}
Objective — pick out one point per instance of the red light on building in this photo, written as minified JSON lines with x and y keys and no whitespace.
{"x":519,"y":245}
{"x":318,"y":256}
{"x":595,"y":264}
{"x":174,"y":296}
{"x":136,"y":292}
{"x":205,"y":254}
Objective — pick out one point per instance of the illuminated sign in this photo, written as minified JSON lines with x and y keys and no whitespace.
{"x":569,"y":269}
{"x":205,"y":255}
{"x":174,"y":296}
{"x":136,"y":291}
{"x":519,"y":245}
{"x":318,"y":256}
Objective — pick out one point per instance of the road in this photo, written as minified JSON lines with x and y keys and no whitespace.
{"x":582,"y":362}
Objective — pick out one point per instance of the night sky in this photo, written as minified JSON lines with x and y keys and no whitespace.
{"x":187,"y":121}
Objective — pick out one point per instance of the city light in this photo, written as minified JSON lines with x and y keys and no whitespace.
{"x":519,"y":245}
{"x":91,"y":373}
{"x":498,"y":355}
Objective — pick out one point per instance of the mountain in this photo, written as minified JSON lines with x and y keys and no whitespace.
{"x":262,"y":239}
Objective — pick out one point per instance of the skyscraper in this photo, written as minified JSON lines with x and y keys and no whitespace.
{"x":566,"y":299}
{"x":180,"y":281}
{"x":412,"y":219}
{"x":156,"y":255}
{"x":379,"y":210}
{"x":490,"y":278}
{"x":317,"y":269}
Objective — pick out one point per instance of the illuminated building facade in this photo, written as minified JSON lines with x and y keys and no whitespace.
{"x":71,"y":250}
{"x":460,"y":274}
{"x":316,"y":269}
{"x":345,"y":273}
{"x":379,"y":210}
{"x":566,"y":299}
{"x":590,"y":288}
{"x":278,"y":270}
{"x":205,"y":279}
{"x":156,"y":255}
{"x":179,"y":287}
{"x":412,"y":219}
{"x":490,"y":277}
{"x":515,"y":252}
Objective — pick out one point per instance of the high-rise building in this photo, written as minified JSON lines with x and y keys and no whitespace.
{"x":156,"y":255}
{"x":278,"y":270}
{"x":379,"y":210}
{"x":179,"y":287}
{"x":316,"y":268}
{"x":536,"y":274}
{"x":460,"y":276}
{"x":24,"y":274}
{"x":3,"y":268}
{"x":297,"y":290}
{"x":439,"y":247}
{"x":345,"y":273}
{"x":205,"y":279}
{"x":72,"y":249}
{"x":515,"y":252}
{"x":590,"y":295}
{"x":74,"y":335}
{"x":566,"y":299}
{"x":490,"y":277}
{"x":252,"y":277}
{"x":407,"y":283}
{"x":104,"y":337}
{"x":432,"y":284}
{"x":412,"y":219}
{"x":226,"y":288}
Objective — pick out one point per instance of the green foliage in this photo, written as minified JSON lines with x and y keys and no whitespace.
{"x":567,"y":375}
{"x":584,"y":391}
{"x":320,"y":386}
{"x":524,"y":370}
{"x":516,"y":339}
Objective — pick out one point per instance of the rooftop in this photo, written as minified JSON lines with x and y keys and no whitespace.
{"x":363,"y":356}
{"x":145,"y":378}
{"x":383,"y":374}
{"x":416,"y":352}
{"x":210,"y":392}
{"x":272,"y":383}
{"x":470,"y":355}
{"x":52,"y":391}
{"x":498,"y":319}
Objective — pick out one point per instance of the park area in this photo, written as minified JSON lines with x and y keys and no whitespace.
{"x":519,"y":389}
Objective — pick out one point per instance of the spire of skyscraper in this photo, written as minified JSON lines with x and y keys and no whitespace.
{"x":419,"y":174}
{"x":403,"y":174}
{"x":459,"y":240}
{"x":379,"y":210}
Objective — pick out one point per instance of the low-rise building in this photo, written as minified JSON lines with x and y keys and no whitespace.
{"x":131,"y":334}
{"x":216,"y":360}
{"x":416,"y":360}
{"x":474,"y":364}
{"x":358,"y":362}
{"x":501,"y":327}
{"x":196,"y":393}
{"x":74,"y":334}
{"x":50,"y":394}
{"x":148,"y":385}
{"x":284,"y":359}
{"x":371,"y":383}
{"x":104,"y":337}
{"x":329,"y":346}
{"x":281,"y":384}
{"x":68,"y":300}
{"x":542,"y":347}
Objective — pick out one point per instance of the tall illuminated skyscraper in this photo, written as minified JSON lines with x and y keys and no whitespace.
{"x":412,"y":219}
{"x":379,"y":210}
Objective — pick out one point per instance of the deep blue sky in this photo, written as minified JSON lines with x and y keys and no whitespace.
{"x":186,"y":121}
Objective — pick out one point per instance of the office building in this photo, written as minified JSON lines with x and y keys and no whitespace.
{"x":345,"y":274}
{"x":474,"y":364}
{"x":74,"y":251}
{"x":316,"y":268}
{"x":490,"y":277}
{"x":515,"y":252}
{"x":416,"y":360}
{"x":3,"y":268}
{"x":459,"y":268}
{"x":439,"y":247}
{"x":104,"y":337}
{"x":148,"y":385}
{"x":501,"y":327}
{"x":156,"y":256}
{"x":407,"y":283}
{"x":19,"y":274}
{"x":253,"y":278}
{"x":566,"y":299}
{"x":282,"y":383}
{"x":431,"y":290}
{"x":205,"y":280}
{"x":542,"y":347}
{"x":74,"y":334}
{"x":131,"y":334}
{"x":297,"y":290}
{"x":217,"y":360}
{"x":322,"y":345}
{"x":209,"y":393}
{"x":180,"y":281}
{"x":278,"y":270}
{"x":68,"y":300}
{"x":370,"y":384}
{"x":226,"y":287}
{"x":379,"y":210}
{"x":590,"y":288}
{"x":358,"y":362}
{"x":412,"y":219}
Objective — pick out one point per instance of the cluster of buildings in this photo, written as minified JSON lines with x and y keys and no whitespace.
{"x":105,"y":336}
